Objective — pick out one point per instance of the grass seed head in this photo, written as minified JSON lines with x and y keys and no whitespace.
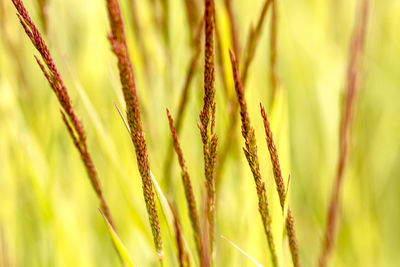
{"x":120,"y":49}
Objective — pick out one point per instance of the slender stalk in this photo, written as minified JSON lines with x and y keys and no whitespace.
{"x":68,"y":112}
{"x":190,"y":198}
{"x":207,"y":120}
{"x":183,"y":255}
{"x":276,"y":167}
{"x":274,"y":79}
{"x":206,"y":258}
{"x":280,"y":186}
{"x":250,"y":151}
{"x":353,"y":79}
{"x":120,"y":49}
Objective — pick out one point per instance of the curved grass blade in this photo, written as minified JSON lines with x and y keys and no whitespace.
{"x":123,"y":252}
{"x":242,"y":251}
{"x":167,"y":212}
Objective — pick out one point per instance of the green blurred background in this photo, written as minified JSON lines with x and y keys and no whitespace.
{"x":48,"y":210}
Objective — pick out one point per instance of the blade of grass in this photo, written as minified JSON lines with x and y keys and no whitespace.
{"x":274,"y":79}
{"x":123,"y":252}
{"x":167,"y":211}
{"x":242,"y":251}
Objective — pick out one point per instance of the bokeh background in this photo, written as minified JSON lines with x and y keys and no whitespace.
{"x":48,"y":210}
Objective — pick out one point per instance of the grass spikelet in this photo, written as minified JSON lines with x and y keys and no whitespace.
{"x":120,"y":49}
{"x":69,"y":116}
{"x":290,"y":229}
{"x":190,"y":198}
{"x":242,"y":251}
{"x":252,"y":42}
{"x":280,"y":186}
{"x":207,"y":119}
{"x":353,"y":77}
{"x":250,"y":152}
{"x":166,"y":211}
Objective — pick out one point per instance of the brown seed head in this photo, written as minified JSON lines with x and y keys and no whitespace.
{"x":120,"y":49}
{"x":250,"y":151}
{"x":69,"y":115}
{"x":280,"y":185}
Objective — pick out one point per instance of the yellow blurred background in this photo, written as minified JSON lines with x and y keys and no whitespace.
{"x":48,"y":210}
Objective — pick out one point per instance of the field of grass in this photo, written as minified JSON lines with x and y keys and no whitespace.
{"x":49,"y":210}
